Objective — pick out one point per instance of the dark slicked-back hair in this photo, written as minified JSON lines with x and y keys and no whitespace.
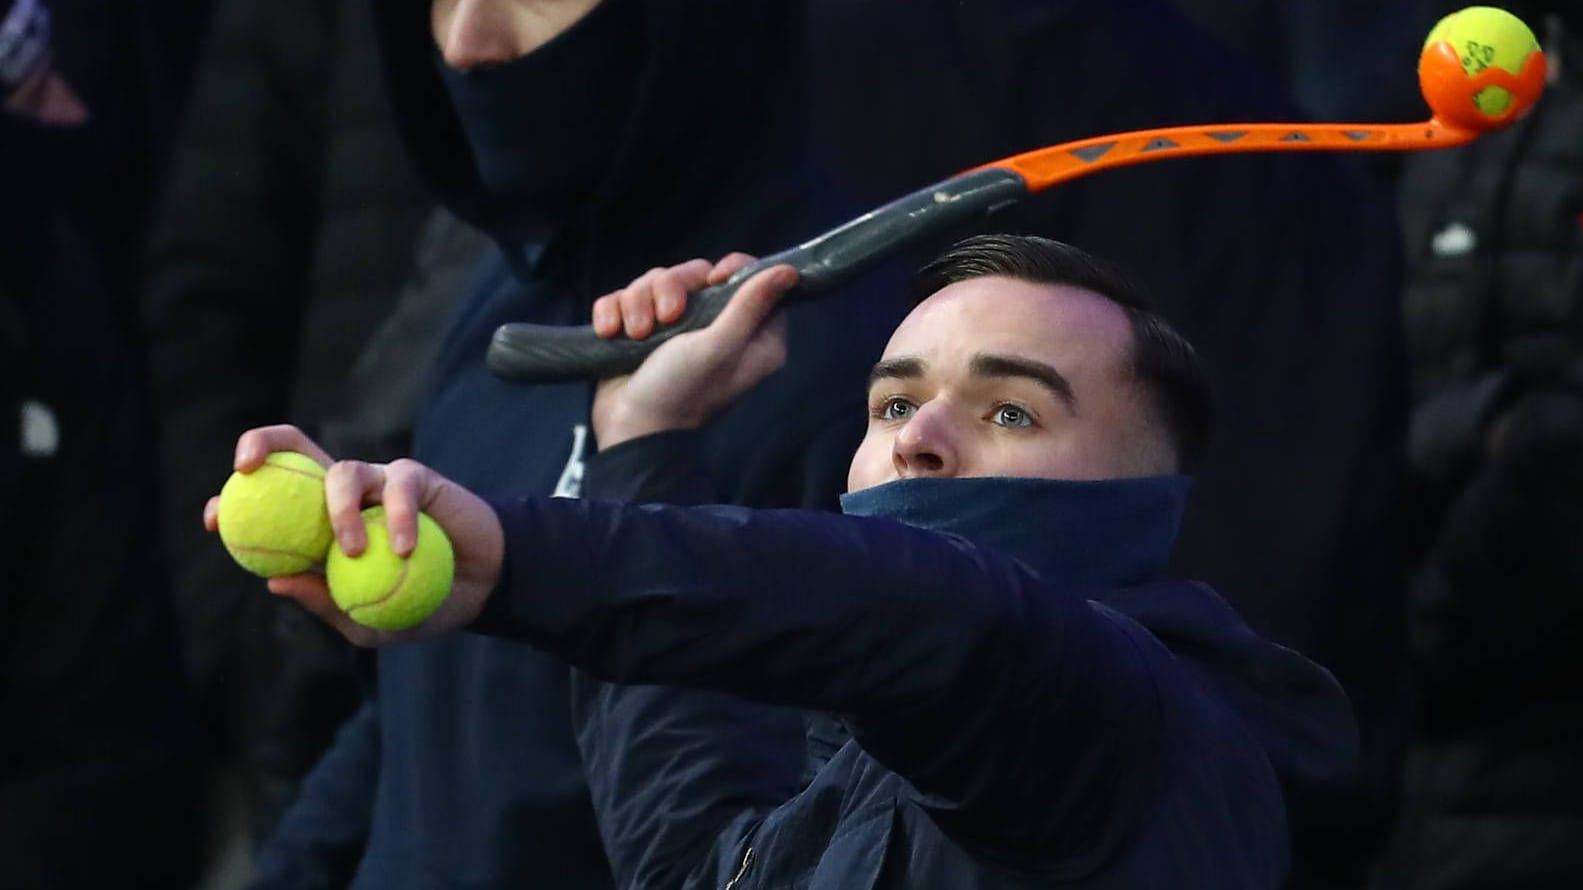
{"x":1163,"y":362}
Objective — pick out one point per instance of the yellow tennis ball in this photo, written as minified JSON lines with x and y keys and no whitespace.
{"x":1485,"y":37}
{"x":381,"y":590}
{"x":273,"y":521}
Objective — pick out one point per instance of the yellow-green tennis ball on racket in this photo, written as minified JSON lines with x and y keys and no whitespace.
{"x":1485,"y":37}
{"x":381,"y":590}
{"x":273,"y":521}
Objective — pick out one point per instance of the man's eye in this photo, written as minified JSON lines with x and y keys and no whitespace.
{"x":897,"y":409}
{"x":1013,"y":415}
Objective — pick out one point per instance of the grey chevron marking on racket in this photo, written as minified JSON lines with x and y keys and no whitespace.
{"x":1228,"y":135}
{"x":1093,"y":152}
{"x":1356,"y":135}
{"x":1296,"y":137}
{"x":1158,"y":143}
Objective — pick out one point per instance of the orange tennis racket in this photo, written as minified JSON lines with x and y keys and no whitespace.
{"x":536,"y":353}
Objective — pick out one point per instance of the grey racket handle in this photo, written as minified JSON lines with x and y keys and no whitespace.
{"x":531,"y":353}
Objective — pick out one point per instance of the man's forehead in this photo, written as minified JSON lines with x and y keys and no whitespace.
{"x":997,"y":314}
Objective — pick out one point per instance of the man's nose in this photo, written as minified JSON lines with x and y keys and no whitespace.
{"x":479,"y":32}
{"x":927,"y":445}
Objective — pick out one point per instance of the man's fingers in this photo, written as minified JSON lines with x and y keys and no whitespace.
{"x":637,"y":307}
{"x":406,"y":487}
{"x":671,"y":289}
{"x":349,"y":485}
{"x":729,"y":265}
{"x":607,"y":315}
{"x":256,"y":444}
{"x":211,"y":514}
{"x":658,"y":296}
{"x":753,"y":303}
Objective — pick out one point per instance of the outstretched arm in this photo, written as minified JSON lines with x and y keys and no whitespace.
{"x":950,"y":662}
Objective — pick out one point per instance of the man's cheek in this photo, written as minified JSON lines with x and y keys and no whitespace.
{"x":871,"y":457}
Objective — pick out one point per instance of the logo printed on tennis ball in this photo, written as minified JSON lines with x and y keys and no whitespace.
{"x":379,"y":589}
{"x":273,"y":521}
{"x":1483,"y":37}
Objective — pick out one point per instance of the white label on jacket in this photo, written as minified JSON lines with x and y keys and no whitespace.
{"x":1455,"y":239}
{"x":40,"y":430}
{"x":570,"y":484}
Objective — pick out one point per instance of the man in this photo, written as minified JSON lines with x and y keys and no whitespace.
{"x":1029,"y":704}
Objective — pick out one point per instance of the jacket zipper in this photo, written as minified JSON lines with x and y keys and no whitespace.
{"x":747,"y":862}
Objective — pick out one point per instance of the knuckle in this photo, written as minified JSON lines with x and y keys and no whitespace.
{"x":404,"y":467}
{"x":348,"y":473}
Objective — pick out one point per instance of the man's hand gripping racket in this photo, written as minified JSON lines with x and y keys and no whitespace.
{"x":1480,"y":70}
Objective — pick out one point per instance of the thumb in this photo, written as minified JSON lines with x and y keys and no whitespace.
{"x":753,"y":303}
{"x":312,"y":593}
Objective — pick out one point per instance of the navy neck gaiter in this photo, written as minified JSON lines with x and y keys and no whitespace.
{"x":544,"y":129}
{"x":1110,"y":533}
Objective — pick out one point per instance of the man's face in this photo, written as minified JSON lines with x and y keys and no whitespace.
{"x":1001,"y":377}
{"x":484,"y":32}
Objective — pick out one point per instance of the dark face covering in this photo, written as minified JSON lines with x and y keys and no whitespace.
{"x":1111,"y":533}
{"x":544,"y":129}
{"x":1086,"y":534}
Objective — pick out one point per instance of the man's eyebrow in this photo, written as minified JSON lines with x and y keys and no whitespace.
{"x":989,"y":365}
{"x":896,"y":368}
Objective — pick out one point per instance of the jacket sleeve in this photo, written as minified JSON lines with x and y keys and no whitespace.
{"x":949,"y":662}
{"x":320,"y":841}
{"x":671,"y":769}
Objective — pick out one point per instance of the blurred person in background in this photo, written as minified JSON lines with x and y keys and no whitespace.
{"x":1494,"y":312}
{"x":97,"y":780}
{"x":284,"y":242}
{"x":590,"y":141}
{"x":581,"y":187}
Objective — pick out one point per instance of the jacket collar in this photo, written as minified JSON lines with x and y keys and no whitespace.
{"x":1108,"y":533}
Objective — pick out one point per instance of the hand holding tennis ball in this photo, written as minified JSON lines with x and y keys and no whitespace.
{"x":273,"y":519}
{"x":379,"y":588}
{"x":419,"y":562}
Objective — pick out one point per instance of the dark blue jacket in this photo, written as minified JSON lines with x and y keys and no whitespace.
{"x":1018,"y":722}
